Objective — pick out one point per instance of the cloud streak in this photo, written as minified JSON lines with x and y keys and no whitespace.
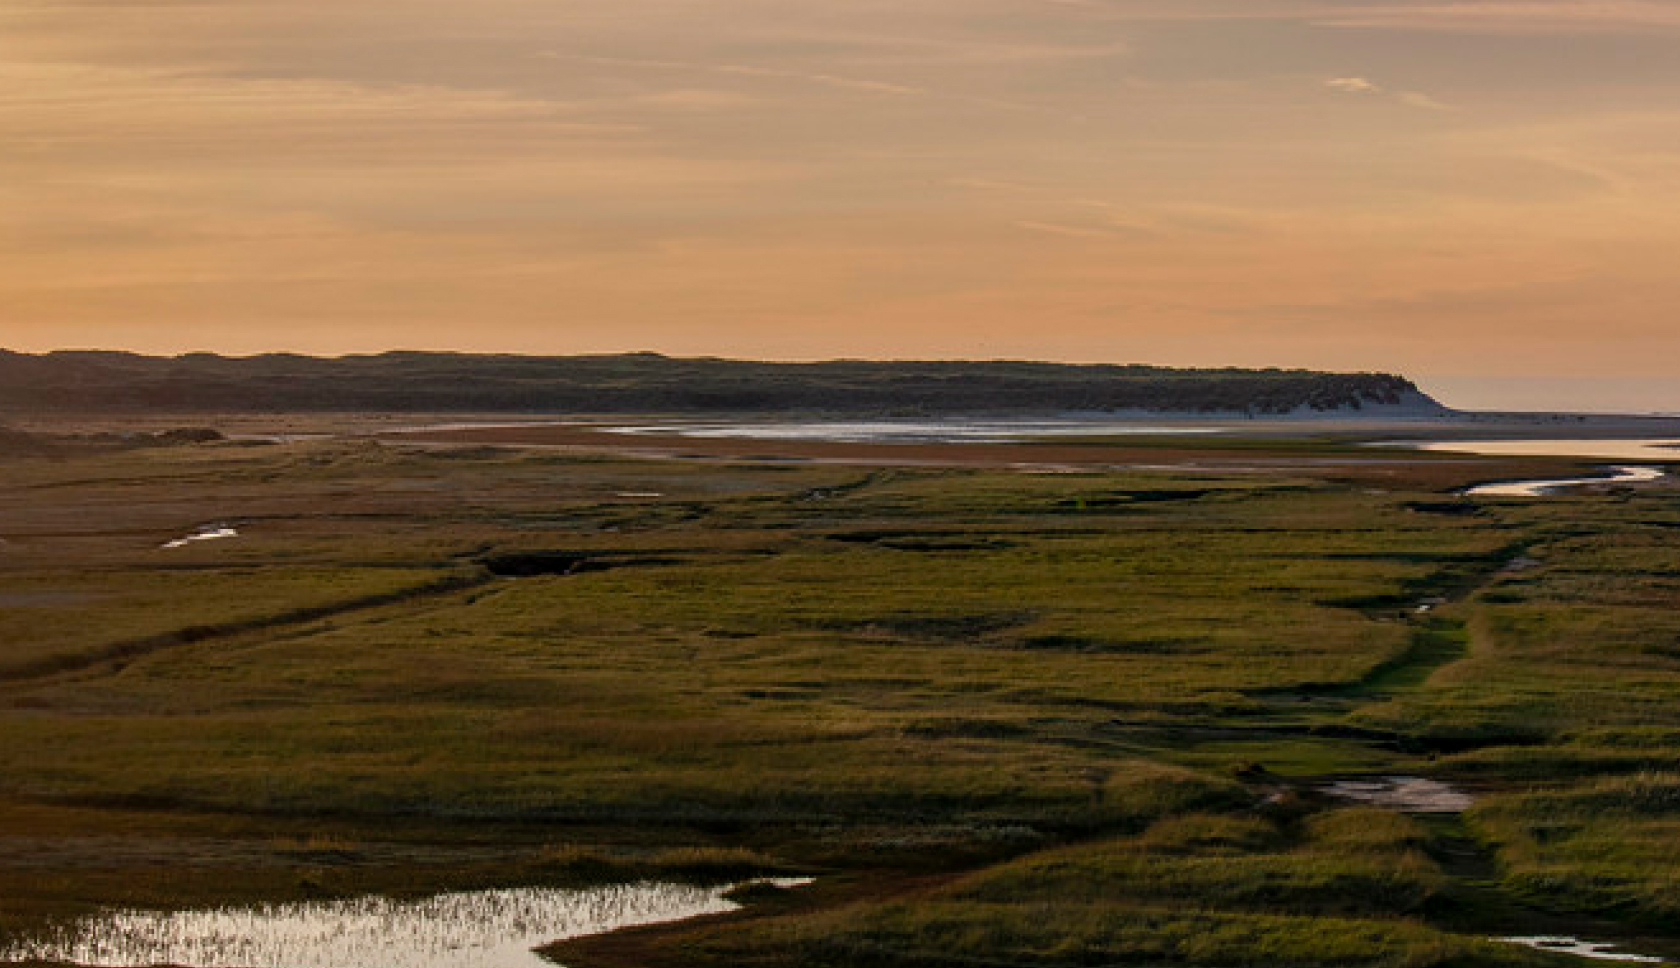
{"x":1352,"y":85}
{"x":1509,"y":16}
{"x":1361,"y":86}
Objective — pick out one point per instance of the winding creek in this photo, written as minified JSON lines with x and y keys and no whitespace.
{"x":1420,"y":795}
{"x":1652,"y":449}
{"x":1616,"y":475}
{"x":477,"y":929}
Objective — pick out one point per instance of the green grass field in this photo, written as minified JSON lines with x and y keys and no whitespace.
{"x":1007,"y":717}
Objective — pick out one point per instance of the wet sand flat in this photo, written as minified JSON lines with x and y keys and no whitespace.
{"x":1212,"y":455}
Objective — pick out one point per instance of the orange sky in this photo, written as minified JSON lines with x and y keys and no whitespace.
{"x":1483,"y":194}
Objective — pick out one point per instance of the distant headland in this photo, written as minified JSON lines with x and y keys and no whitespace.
{"x":107,"y":381}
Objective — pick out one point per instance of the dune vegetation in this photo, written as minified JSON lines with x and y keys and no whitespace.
{"x":114,"y":382}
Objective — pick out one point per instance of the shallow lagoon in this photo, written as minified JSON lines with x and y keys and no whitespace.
{"x":478,"y":929}
{"x":1639,"y":449}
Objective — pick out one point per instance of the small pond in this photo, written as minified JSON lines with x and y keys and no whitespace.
{"x":208,"y":532}
{"x":1596,"y":950}
{"x":1410,"y":794}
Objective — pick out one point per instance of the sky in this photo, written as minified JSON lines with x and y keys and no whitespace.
{"x":1481,"y":194}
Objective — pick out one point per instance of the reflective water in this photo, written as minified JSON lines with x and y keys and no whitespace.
{"x":1644,"y":449}
{"x":1412,"y":794}
{"x":914,"y":432}
{"x":479,"y":929}
{"x":278,"y":438}
{"x":1613,"y":475}
{"x":208,"y":532}
{"x":1598,"y":950}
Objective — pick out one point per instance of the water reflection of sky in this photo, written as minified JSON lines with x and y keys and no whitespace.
{"x":914,"y":432}
{"x":1643,"y":449}
{"x":1613,"y":475}
{"x":208,"y":532}
{"x":480,"y":929}
{"x":1596,"y":950}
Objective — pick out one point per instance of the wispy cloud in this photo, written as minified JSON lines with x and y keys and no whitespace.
{"x":842,"y":82}
{"x":1477,"y":16}
{"x":955,"y":51}
{"x":1353,"y":85}
{"x":1508,"y":16}
{"x":1083,"y":232}
{"x":1362,"y":86}
{"x":864,"y":84}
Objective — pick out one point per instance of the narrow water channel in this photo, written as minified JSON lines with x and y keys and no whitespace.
{"x":1616,"y":475}
{"x":1649,"y":449}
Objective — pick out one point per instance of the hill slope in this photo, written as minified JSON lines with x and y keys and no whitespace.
{"x":647,"y":382}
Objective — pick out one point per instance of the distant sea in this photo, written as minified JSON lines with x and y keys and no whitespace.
{"x":915,"y":432}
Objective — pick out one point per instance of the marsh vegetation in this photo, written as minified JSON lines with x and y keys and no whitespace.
{"x":1078,"y":718}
